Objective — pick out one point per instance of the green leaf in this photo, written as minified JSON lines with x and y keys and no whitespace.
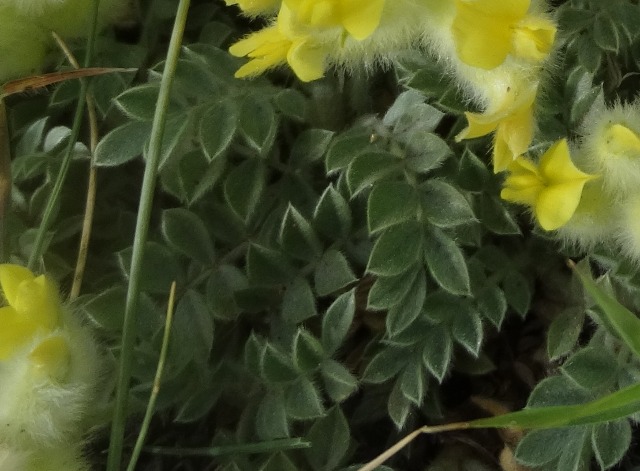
{"x":330,"y":439}
{"x":267,"y":266}
{"x":557,"y":391}
{"x":425,"y":151}
{"x":338,"y":380}
{"x":276,"y":367}
{"x":139,"y":102}
{"x":492,"y":304}
{"x":310,"y":146}
{"x":106,"y":308}
{"x":174,"y":132}
{"x":221,"y":286}
{"x":404,"y":313}
{"x":413,"y":382}
{"x":398,"y":405}
{"x":271,"y":417}
{"x":387,"y":291}
{"x":391,"y":203}
{"x":370,"y":167}
{"x":384,"y":365}
{"x":217,"y":128}
{"x":298,"y":302}
{"x":159,"y":267}
{"x":185,"y":232}
{"x":617,"y":318}
{"x":254,"y":350}
{"x":345,"y":147}
{"x":411,"y":103}
{"x":576,"y":455}
{"x":437,"y":351}
{"x":467,"y":330}
{"x":517,"y":292}
{"x":337,"y":321}
{"x":258,"y":123}
{"x":396,"y":250}
{"x":332,"y":273}
{"x":589,"y":54}
{"x":122,"y":144}
{"x":279,"y":462}
{"x":539,"y":447}
{"x":446,"y":262}
{"x":303,"y":401}
{"x":610,"y":441}
{"x":191,"y":332}
{"x":591,"y":367}
{"x":444,"y":206}
{"x":292,"y":103}
{"x":298,"y":237}
{"x":192,"y":176}
{"x":332,"y":216}
{"x":308,"y":353}
{"x":605,"y":33}
{"x":473,"y":174}
{"x":244,"y":186}
{"x":494,"y":216}
{"x":563,"y":332}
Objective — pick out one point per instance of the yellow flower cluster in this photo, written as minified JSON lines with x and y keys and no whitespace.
{"x":26,"y":26}
{"x":501,"y":47}
{"x":305,"y":33}
{"x":49,"y":373}
{"x":495,"y":50}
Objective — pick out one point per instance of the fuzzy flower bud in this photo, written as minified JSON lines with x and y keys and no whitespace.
{"x":49,"y":363}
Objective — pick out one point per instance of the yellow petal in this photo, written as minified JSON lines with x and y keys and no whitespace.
{"x":253,"y":41}
{"x":621,"y":140}
{"x":361,"y":17}
{"x":11,"y":276}
{"x":38,"y":301}
{"x":524,"y":195}
{"x":481,"y":41}
{"x":517,"y":131}
{"x":507,"y":9}
{"x":523,"y":184}
{"x":15,"y":331}
{"x":533,"y":38}
{"x":307,"y":61}
{"x":478,"y":126}
{"x":557,"y":203}
{"x":502,"y":156}
{"x":51,"y":357}
{"x":321,"y":13}
{"x":556,"y":166}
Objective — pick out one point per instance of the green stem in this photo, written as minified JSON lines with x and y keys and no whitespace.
{"x":245,"y":448}
{"x":151,"y":405}
{"x":47,"y":215}
{"x":142,"y":228}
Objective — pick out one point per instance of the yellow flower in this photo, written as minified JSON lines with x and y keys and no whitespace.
{"x":553,"y":188}
{"x":485,"y":32}
{"x":33,"y":309}
{"x":270,"y":48}
{"x":359,"y":18}
{"x":512,"y":122}
{"x":305,"y":34}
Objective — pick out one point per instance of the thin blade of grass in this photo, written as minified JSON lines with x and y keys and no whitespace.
{"x":614,"y":406}
{"x":623,"y":323}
